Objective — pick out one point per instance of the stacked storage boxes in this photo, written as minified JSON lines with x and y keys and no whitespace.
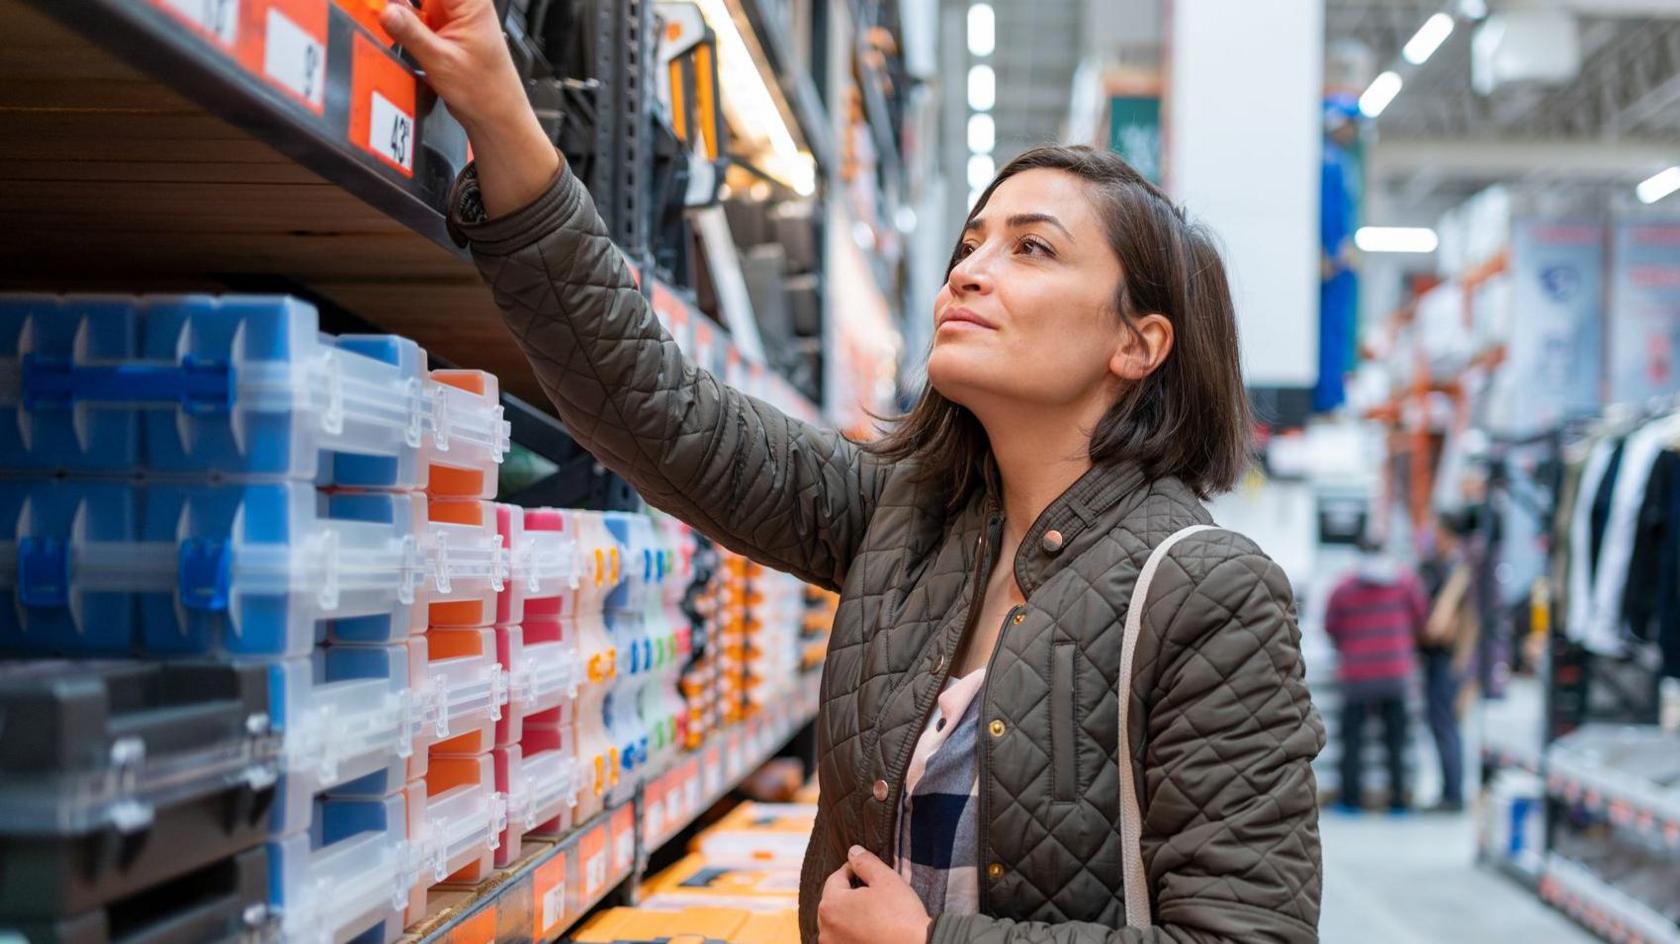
{"x":211,"y":480}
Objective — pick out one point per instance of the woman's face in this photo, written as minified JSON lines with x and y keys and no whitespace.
{"x":1027,"y":315}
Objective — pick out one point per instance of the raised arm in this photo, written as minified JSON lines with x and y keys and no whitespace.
{"x":791,"y":495}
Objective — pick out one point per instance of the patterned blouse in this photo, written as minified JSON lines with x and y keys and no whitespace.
{"x":938,"y":840}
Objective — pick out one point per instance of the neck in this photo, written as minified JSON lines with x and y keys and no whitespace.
{"x":1037,"y":460}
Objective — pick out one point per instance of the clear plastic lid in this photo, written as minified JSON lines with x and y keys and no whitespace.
{"x":544,"y":675}
{"x":463,"y":428}
{"x":231,"y":384}
{"x":547,"y":786}
{"x":545,"y":564}
{"x":251,"y":569}
{"x":331,"y":895}
{"x":463,"y":562}
{"x":338,"y":731}
{"x":461,"y":824}
{"x":459,"y":693}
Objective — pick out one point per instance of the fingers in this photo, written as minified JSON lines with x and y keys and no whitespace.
{"x":405,"y":26}
{"x":840,"y":880}
{"x":867,"y":867}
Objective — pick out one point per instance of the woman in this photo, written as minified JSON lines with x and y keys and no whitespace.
{"x":1084,"y":392}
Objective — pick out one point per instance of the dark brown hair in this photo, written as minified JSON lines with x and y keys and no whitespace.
{"x":1190,"y":418}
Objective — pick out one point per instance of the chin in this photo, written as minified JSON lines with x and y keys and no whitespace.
{"x":955,"y":376}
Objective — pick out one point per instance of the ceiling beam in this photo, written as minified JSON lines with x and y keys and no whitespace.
{"x":1598,"y":8}
{"x":1390,"y":157}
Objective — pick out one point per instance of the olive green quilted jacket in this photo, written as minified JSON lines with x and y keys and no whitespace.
{"x":1223,"y":732}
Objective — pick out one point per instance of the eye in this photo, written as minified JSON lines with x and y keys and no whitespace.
{"x":966,"y":249}
{"x":1032,"y":245}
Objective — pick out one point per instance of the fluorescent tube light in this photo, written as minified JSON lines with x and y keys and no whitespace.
{"x":1395,"y":239}
{"x":1381,"y":92}
{"x":982,"y":88}
{"x":1659,"y":185}
{"x":982,"y":29}
{"x":1428,"y":38}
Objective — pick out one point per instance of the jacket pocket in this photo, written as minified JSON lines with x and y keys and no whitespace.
{"x":1064,"y":748}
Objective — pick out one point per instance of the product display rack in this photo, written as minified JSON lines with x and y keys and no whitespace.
{"x":555,"y":884}
{"x":281,"y":145}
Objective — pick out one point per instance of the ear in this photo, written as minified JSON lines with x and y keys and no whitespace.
{"x":1143,"y":348}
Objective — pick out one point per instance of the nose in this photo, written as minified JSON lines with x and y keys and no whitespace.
{"x":970,"y":275}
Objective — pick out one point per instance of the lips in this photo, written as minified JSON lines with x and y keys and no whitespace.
{"x":964,"y":316}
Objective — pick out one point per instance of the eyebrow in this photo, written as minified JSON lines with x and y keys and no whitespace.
{"x":1021,"y":220}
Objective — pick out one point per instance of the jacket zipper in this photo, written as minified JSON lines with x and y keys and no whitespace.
{"x":983,"y":760}
{"x":925,"y":710}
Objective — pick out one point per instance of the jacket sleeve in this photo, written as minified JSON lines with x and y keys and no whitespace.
{"x":1230,"y":835}
{"x":790,"y":495}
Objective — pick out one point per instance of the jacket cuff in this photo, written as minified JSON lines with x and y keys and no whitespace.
{"x":471,"y":226}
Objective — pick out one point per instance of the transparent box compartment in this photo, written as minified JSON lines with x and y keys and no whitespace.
{"x":191,"y":569}
{"x":541,"y":660}
{"x":464,"y":691}
{"x":348,"y":718}
{"x":464,"y":819}
{"x":466,"y":563}
{"x":357,"y":871}
{"x":239,"y":385}
{"x":543,"y":563}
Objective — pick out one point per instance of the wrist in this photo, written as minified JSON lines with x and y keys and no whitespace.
{"x":503,"y":114}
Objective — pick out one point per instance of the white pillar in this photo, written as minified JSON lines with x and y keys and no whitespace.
{"x":1244,"y":144}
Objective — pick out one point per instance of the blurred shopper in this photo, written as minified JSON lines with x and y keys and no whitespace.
{"x":1375,"y":617}
{"x":1084,"y":395}
{"x":1445,"y":648}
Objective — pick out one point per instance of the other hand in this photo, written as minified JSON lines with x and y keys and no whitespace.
{"x":884,"y":909}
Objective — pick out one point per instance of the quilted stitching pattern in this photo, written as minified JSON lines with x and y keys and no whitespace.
{"x":1224,"y":731}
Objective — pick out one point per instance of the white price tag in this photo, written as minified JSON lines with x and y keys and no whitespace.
{"x":219,"y":18}
{"x":673,"y":806}
{"x":391,"y":132}
{"x":624,"y":850}
{"x":595,"y":873}
{"x":655,"y":820}
{"x":714,"y":778}
{"x":294,"y":58}
{"x":692,"y":788}
{"x":554,"y":905}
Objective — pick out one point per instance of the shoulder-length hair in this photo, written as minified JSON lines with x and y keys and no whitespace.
{"x":1190,"y":418}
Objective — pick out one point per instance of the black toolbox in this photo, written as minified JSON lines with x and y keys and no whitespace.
{"x":120,"y":776}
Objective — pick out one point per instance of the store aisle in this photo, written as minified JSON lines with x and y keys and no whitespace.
{"x":1412,"y":881}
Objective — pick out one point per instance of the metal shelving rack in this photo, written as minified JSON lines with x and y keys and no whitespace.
{"x":237,"y":144}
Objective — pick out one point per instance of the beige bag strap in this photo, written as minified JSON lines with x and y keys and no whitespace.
{"x":1136,"y":881}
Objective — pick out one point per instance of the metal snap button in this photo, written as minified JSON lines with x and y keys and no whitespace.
{"x":1052,"y":541}
{"x":997,"y":728}
{"x":995,"y":870}
{"x":881,"y":790}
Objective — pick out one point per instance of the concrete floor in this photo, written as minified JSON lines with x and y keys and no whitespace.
{"x":1413,"y":880}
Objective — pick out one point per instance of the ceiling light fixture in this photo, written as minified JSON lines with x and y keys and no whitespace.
{"x":982,"y":88}
{"x":1381,"y":92}
{"x":1658,"y":185}
{"x":1428,"y":38}
{"x":982,"y":133}
{"x":1395,"y":239}
{"x":751,"y":109}
{"x":982,"y":29}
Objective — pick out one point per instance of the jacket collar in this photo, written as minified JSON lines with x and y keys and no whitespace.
{"x":1093,"y":504}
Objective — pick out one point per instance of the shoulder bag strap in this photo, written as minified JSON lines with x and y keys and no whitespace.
{"x":1136,"y":882}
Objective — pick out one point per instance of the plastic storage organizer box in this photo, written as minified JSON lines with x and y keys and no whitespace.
{"x":117,"y":568}
{"x":238,"y":386}
{"x":119,"y":776}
